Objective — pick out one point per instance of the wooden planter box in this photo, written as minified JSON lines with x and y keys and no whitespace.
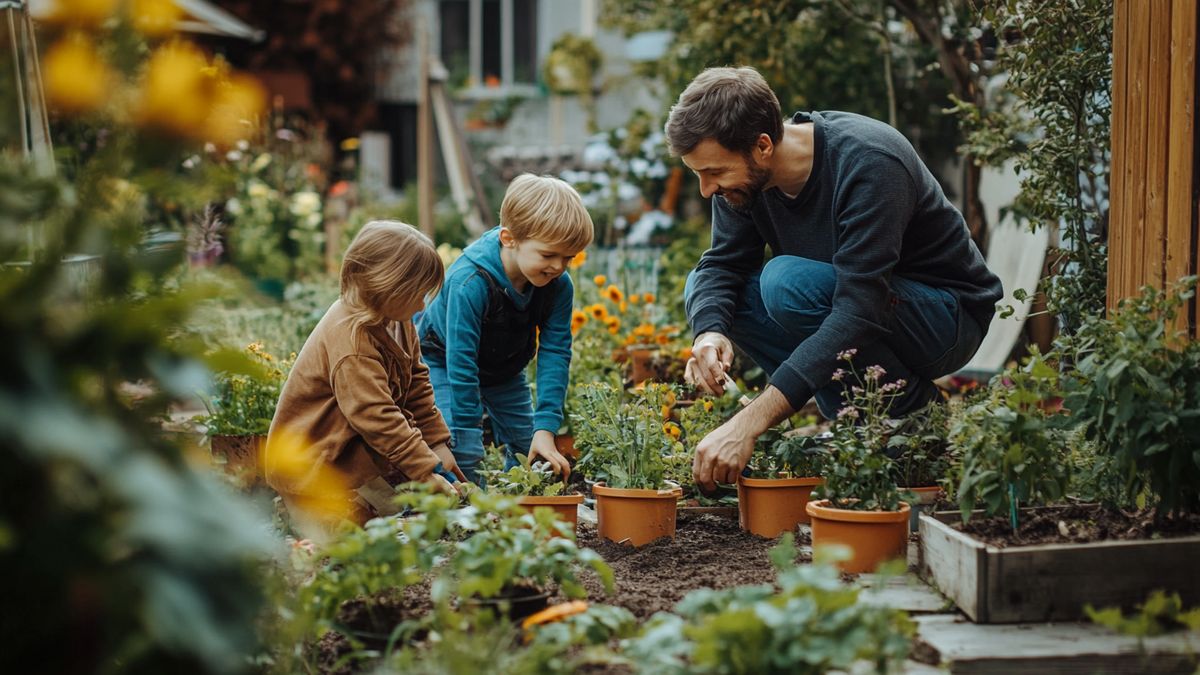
{"x":1051,"y":581}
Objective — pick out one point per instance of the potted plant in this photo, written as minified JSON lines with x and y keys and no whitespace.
{"x":860,"y":506}
{"x":773,"y":493}
{"x":240,"y":412}
{"x":623,"y":440}
{"x":921,"y":451}
{"x":535,"y":485}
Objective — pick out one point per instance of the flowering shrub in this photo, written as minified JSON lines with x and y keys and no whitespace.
{"x":622,"y":437}
{"x":859,"y":475}
{"x":244,"y":402}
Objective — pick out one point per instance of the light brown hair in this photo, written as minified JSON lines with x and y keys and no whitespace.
{"x":732,"y":106}
{"x":547,"y":209}
{"x":387,"y":258}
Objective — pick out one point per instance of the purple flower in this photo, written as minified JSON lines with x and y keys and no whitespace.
{"x":838,"y":375}
{"x":875,"y":372}
{"x":849,"y":412}
{"x":889,"y":387}
{"x":847,"y":354}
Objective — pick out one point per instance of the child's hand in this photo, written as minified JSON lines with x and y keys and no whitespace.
{"x":448,"y":462}
{"x":442,"y":485}
{"x":543,"y":446}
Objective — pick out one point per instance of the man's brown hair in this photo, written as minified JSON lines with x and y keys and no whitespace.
{"x":729,"y":105}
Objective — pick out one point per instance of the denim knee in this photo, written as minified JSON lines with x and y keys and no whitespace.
{"x":797,"y":292}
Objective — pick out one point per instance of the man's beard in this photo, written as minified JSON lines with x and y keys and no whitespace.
{"x":741,"y":197}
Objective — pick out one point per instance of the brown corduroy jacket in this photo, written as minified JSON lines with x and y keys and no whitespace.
{"x":362,"y":406}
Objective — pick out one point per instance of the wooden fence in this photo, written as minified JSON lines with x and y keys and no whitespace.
{"x":1153,"y":237}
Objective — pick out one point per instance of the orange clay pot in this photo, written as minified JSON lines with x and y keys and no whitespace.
{"x":641,"y":363}
{"x":769,"y":507}
{"x":566,"y":507}
{"x":873,"y":537}
{"x":635,"y":517}
{"x":565,"y":444}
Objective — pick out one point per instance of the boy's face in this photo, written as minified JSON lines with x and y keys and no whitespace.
{"x":538,"y":261}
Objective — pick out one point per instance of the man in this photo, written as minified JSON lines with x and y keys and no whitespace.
{"x":867,"y":255}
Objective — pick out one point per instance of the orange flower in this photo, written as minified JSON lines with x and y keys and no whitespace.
{"x":630,"y":339}
{"x":648,"y":297}
{"x":600,"y":279}
{"x":613,"y":323}
{"x":598,"y":312}
{"x":614,"y":294}
{"x":622,"y":307}
{"x":666,"y":412}
{"x":685,"y":353}
{"x":634,"y":299}
{"x":662,"y":338}
{"x":578,"y":260}
{"x":578,"y":319}
{"x":671,"y":429}
{"x":644,"y":330}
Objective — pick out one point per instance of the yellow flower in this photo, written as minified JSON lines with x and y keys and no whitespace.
{"x":685,"y":353}
{"x":578,"y":260}
{"x":614,"y":294}
{"x":708,"y":406}
{"x":671,"y":429}
{"x":318,"y":490}
{"x":598,"y":312}
{"x":634,"y":299}
{"x":600,"y":279}
{"x":622,"y":307}
{"x":155,"y":18}
{"x":238,"y":101}
{"x":350,"y":144}
{"x":662,"y":338}
{"x":176,"y":90}
{"x":670,"y":398}
{"x":666,"y":412}
{"x":648,"y":297}
{"x":84,"y":12}
{"x":613,"y":323}
{"x":78,"y":80}
{"x":578,"y":319}
{"x":644,"y":330}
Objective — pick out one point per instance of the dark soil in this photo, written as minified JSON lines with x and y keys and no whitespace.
{"x":1077,"y":524}
{"x":371,"y":620}
{"x":708,"y":552}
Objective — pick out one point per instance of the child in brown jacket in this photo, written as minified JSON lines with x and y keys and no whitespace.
{"x":357,"y":414}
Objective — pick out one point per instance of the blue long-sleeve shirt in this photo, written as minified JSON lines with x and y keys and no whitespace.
{"x":872,"y":209}
{"x":456,"y":317}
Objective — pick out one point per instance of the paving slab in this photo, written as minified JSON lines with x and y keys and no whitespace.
{"x":1051,"y":648}
{"x":906,"y":592}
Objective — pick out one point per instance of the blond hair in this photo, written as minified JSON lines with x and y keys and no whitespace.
{"x":387,"y":258}
{"x":547,"y":209}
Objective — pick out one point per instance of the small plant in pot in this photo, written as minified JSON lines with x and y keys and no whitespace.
{"x":921,"y":451}
{"x":535,"y":485}
{"x":861,"y":506}
{"x":774,"y":490}
{"x":623,"y":441}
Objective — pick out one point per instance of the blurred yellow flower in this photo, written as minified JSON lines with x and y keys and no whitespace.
{"x":578,"y":319}
{"x":600,"y":279}
{"x":350,"y":144}
{"x":175,"y":93}
{"x":614,"y":294}
{"x":644,"y":330}
{"x":578,"y":260}
{"x":78,"y":79}
{"x":312,"y":485}
{"x":236,"y":103}
{"x":598,"y":311}
{"x":84,"y":12}
{"x":621,"y":307}
{"x":155,"y":18}
{"x":613,"y":324}
{"x":708,"y":406}
{"x":662,"y":338}
{"x":685,"y":353}
{"x":634,"y":298}
{"x":648,"y":297}
{"x":671,"y":429}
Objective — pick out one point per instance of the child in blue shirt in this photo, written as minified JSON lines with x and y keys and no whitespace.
{"x":506,"y":301}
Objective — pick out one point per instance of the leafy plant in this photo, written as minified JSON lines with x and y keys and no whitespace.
{"x":244,"y":402}
{"x":922,"y":451}
{"x":781,"y":455}
{"x":622,"y":437}
{"x":1012,"y":443}
{"x":525,"y":480}
{"x":859,"y":476}
{"x":1135,"y":391}
{"x":1161,"y":613}
{"x":811,"y":623}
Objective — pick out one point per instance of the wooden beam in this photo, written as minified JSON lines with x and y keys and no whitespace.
{"x":1183,"y":239}
{"x":1158,"y":100}
{"x":1117,"y":191}
{"x":424,"y":136}
{"x":1135,"y":166}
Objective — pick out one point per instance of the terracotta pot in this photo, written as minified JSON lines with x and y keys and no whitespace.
{"x":873,"y":537}
{"x":240,"y":456}
{"x":635,"y":517}
{"x":565,"y":444}
{"x":769,"y":507}
{"x":641,"y":363}
{"x":566,"y":506}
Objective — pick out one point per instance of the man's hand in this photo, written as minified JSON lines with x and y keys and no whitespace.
{"x":721,"y":456}
{"x":543,"y":446}
{"x":712,"y":354}
{"x":440,"y":484}
{"x":448,"y":462}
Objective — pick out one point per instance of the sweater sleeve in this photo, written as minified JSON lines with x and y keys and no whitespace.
{"x":466,"y":302}
{"x":872,"y":207}
{"x":363,"y":393}
{"x":421,"y":402}
{"x":735,"y":255}
{"x":554,"y":360}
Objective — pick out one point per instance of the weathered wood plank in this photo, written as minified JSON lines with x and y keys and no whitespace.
{"x":1158,"y":103}
{"x":1118,"y":197}
{"x":954,"y":564}
{"x":1182,"y":238}
{"x":1138,"y":124}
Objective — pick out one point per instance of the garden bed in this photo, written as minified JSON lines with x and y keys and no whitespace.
{"x":1023,"y":579}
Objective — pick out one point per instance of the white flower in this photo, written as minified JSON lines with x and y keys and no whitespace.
{"x":191,"y":162}
{"x":233,"y":156}
{"x":243,"y":145}
{"x":258,"y":190}
{"x":210,"y":148}
{"x":627,"y":191}
{"x":306,"y":203}
{"x":639,"y":166}
{"x":233,"y":207}
{"x":260,"y":162}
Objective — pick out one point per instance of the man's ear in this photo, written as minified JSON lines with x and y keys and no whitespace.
{"x":765,"y":146}
{"x":507,"y":239}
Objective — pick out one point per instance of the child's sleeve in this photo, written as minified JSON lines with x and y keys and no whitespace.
{"x":425,"y":413}
{"x":554,"y":360}
{"x":363,"y":393}
{"x":466,"y":303}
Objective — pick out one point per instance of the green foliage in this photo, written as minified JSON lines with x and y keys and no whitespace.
{"x":244,"y":401}
{"x":1013,"y":444}
{"x":621,"y":436}
{"x":923,"y":456}
{"x":1058,"y":57}
{"x":811,"y":623}
{"x":524,"y":480}
{"x":788,"y":456}
{"x":1160,"y":614}
{"x":859,"y":475}
{"x":1135,"y":390}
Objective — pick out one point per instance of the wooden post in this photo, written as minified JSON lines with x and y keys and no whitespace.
{"x":424,"y":137}
{"x":1183,"y":241}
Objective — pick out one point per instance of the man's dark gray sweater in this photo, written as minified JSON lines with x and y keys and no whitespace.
{"x":870,"y":208}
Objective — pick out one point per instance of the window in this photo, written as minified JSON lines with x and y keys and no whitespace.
{"x":489,"y":43}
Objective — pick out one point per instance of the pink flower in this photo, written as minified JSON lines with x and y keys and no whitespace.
{"x":838,"y":375}
{"x":849,"y":412}
{"x":875,"y":372}
{"x":847,"y":354}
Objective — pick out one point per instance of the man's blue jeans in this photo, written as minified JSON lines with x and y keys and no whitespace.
{"x":510,"y":407}
{"x":931,"y":335}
